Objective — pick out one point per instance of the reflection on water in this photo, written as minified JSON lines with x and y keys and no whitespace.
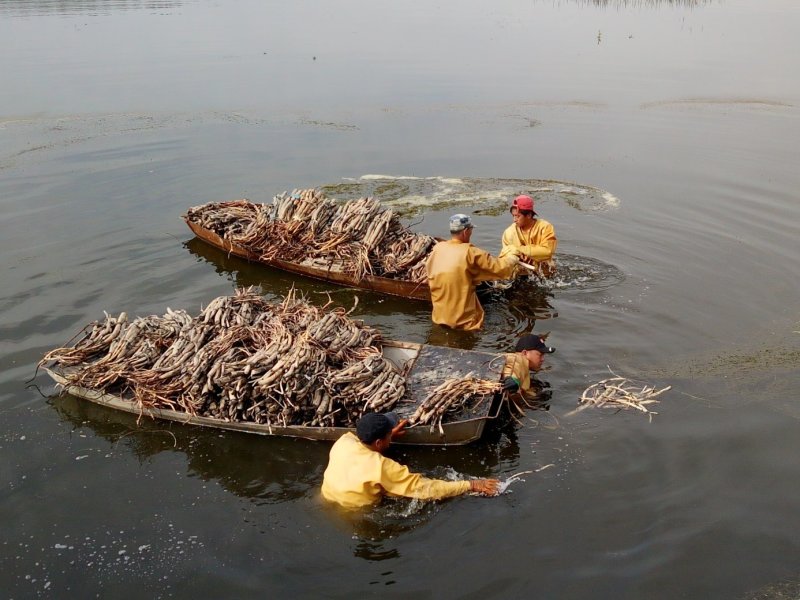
{"x":273,"y":470}
{"x":29,"y":8}
{"x":278,"y":470}
{"x":270,"y":470}
{"x":276,"y":283}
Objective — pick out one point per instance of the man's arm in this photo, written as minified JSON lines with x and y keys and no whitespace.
{"x":398,"y":480}
{"x":485,"y":267}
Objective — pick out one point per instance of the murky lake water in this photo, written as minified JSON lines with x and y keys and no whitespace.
{"x":660,"y":138}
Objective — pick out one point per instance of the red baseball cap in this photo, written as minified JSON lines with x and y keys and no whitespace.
{"x":523,"y":203}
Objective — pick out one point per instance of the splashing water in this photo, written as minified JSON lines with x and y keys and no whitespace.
{"x":504,"y":485}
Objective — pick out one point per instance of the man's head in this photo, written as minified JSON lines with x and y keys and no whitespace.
{"x":533,"y":348}
{"x":522,"y":210}
{"x":375,"y":429}
{"x":461,"y":227}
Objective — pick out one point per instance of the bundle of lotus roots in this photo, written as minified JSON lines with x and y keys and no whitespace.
{"x":450,"y":397}
{"x":357,"y":237}
{"x":620,"y":393}
{"x":240,"y":359}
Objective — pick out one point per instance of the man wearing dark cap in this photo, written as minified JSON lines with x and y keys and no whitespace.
{"x":358,"y":474}
{"x":534,"y":239}
{"x":454,"y":268}
{"x":529,"y":356}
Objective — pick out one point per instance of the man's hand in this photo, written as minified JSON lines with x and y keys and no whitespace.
{"x":513,"y":259}
{"x":510,"y":385}
{"x":487,"y":487}
{"x":399,"y":429}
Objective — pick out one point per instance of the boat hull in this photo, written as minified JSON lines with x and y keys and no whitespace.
{"x":425,"y":365}
{"x":382,"y":285}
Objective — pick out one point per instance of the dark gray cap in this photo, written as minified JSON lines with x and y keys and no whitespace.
{"x":531,"y":341}
{"x":375,"y":426}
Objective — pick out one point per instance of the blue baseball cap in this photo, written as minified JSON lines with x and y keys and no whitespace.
{"x":460,"y":222}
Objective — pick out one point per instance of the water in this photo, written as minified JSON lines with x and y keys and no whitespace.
{"x":660,"y":138}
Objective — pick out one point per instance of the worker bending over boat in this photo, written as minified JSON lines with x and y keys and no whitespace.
{"x":358,"y":474}
{"x":533,"y":239}
{"x":454,"y":268}
{"x":528,"y":356}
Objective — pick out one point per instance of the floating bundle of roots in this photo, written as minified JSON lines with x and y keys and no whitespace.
{"x":358,"y":237}
{"x":240,"y":359}
{"x":620,"y":393}
{"x":452,"y":397}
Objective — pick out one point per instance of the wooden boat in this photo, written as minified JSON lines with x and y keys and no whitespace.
{"x":383,"y":285}
{"x":427,"y":366}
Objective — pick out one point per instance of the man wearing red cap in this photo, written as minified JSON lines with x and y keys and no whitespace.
{"x":532,"y":238}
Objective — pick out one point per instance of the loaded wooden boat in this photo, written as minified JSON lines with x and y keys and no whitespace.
{"x":331,"y":274}
{"x":426,"y":367}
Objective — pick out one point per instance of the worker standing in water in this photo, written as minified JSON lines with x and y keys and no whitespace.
{"x":454,"y":268}
{"x":528,"y":356}
{"x":359,"y":475}
{"x":532,"y":238}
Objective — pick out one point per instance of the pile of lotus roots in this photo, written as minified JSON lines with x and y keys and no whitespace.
{"x":358,"y":237}
{"x":240,"y":359}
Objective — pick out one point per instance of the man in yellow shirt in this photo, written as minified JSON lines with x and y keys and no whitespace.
{"x":454,"y":268}
{"x":528,"y":356}
{"x":532,"y":238}
{"x":358,"y":474}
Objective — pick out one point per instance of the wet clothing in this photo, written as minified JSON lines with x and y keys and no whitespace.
{"x":517,"y":367}
{"x":358,"y":476}
{"x":536,"y":246}
{"x":454,"y":269}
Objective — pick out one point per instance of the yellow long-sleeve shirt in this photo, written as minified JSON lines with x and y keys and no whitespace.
{"x":537,"y":244}
{"x":517,"y":366}
{"x":358,"y":476}
{"x":454,"y":269}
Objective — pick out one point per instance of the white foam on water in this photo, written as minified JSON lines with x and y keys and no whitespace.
{"x":611,"y":201}
{"x":440,"y":191}
{"x":391,"y":177}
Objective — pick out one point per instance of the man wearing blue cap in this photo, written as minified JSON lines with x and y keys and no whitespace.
{"x":358,"y":474}
{"x":454,"y":268}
